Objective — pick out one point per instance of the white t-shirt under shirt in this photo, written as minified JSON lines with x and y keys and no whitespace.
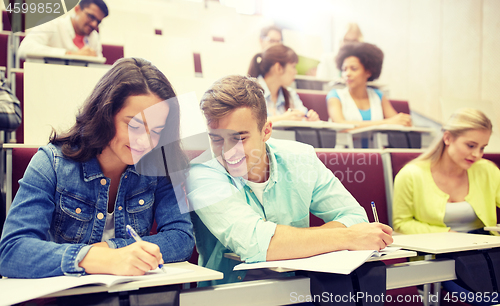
{"x":109,"y":227}
{"x":460,"y":217}
{"x":258,"y":189}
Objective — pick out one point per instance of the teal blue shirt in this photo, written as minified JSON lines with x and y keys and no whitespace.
{"x":229,"y":218}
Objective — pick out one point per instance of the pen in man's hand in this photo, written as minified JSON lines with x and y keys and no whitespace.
{"x":136,"y":237}
{"x":374,"y":210}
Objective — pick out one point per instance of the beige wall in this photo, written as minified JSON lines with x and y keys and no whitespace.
{"x":439,"y":54}
{"x":436,"y":51}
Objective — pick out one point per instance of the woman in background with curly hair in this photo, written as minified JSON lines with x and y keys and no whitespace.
{"x":357,"y":103}
{"x":275,"y":70}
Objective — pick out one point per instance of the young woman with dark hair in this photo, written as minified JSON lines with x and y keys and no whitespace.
{"x":81,"y":190}
{"x":357,"y":103}
{"x":275,"y":70}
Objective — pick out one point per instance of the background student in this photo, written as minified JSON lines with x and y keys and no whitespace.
{"x":81,"y":190}
{"x":327,"y":68}
{"x":270,"y":36}
{"x":450,"y":187}
{"x":357,"y":103}
{"x":74,"y":33}
{"x":275,"y":70}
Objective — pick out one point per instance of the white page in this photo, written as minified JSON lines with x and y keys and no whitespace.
{"x":341,"y":262}
{"x":16,"y":290}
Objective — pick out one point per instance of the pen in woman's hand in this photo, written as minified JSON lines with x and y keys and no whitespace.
{"x":136,"y":237}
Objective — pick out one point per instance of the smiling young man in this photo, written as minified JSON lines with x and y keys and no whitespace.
{"x":69,"y":34}
{"x":255,"y":197}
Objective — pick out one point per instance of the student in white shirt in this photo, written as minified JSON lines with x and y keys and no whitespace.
{"x":69,"y":34}
{"x":270,"y":36}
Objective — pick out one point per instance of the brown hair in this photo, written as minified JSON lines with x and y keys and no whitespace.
{"x":95,"y":127}
{"x":461,"y":121}
{"x":232,"y":92}
{"x":370,"y":56}
{"x":263,"y":62}
{"x":102,"y":6}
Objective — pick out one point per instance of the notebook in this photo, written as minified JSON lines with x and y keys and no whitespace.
{"x":340,"y":262}
{"x":16,"y":290}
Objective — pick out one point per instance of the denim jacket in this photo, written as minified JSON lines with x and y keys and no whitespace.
{"x":60,"y":209}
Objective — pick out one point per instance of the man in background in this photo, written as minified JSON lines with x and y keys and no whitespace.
{"x":69,"y":34}
{"x":270,"y":36}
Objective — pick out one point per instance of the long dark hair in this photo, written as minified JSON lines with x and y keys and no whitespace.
{"x":95,"y":127}
{"x":263,"y":62}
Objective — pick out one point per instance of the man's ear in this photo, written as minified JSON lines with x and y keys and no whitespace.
{"x":267,"y":130}
{"x":78,"y":8}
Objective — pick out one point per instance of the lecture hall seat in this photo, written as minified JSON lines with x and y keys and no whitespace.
{"x":112,"y":53}
{"x":4,"y":49}
{"x":20,"y":160}
{"x":362,"y":174}
{"x":6,"y":21}
{"x":401,"y":106}
{"x":19,"y":79}
{"x":316,"y":100}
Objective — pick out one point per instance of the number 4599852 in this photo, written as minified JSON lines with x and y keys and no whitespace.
{"x":471,"y":297}
{"x":41,"y":8}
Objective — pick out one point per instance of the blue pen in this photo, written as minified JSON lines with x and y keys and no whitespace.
{"x":374,"y":210}
{"x":136,"y":237}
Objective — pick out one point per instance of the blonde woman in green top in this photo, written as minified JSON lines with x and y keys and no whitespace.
{"x":450,"y":187}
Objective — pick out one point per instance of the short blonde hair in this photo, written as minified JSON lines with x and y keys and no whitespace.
{"x":461,"y":121}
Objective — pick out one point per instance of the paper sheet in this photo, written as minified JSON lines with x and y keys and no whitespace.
{"x":341,"y":262}
{"x":16,"y":290}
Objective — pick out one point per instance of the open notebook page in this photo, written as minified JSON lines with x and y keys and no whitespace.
{"x":341,"y":262}
{"x":16,"y":290}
